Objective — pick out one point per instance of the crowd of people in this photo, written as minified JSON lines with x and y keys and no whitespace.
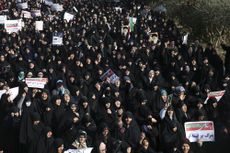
{"x":162,"y":83}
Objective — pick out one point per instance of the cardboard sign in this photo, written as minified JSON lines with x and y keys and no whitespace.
{"x":217,"y":94}
{"x":68,"y":16}
{"x":13,"y":25}
{"x":13,"y":92}
{"x":111,"y":75}
{"x":57,"y":38}
{"x":3,"y":18}
{"x":84,"y":150}
{"x":22,"y":5}
{"x":57,"y":7}
{"x":202,"y":130}
{"x":39,"y":25}
{"x":36,"y":82}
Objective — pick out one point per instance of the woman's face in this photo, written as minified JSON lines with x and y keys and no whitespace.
{"x":185,"y":148}
{"x":170,"y":112}
{"x":66,"y":97}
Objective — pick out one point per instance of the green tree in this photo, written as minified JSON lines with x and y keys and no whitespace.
{"x":208,"y":20}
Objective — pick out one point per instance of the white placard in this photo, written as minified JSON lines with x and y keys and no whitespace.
{"x":13,"y":25}
{"x":36,"y":82}
{"x":185,"y":39}
{"x":85,"y":150}
{"x":48,"y":2}
{"x":201,"y":130}
{"x":118,"y":9}
{"x":13,"y":92}
{"x":39,"y":25}
{"x":36,"y":13}
{"x":56,"y":7}
{"x":26,"y":14}
{"x":68,"y":16}
{"x":57,"y":38}
{"x":3,"y":18}
{"x":217,"y":94}
{"x":22,"y":5}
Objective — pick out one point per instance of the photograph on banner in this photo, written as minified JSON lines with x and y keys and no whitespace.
{"x":84,"y":150}
{"x":57,"y":38}
{"x":39,"y":25}
{"x":36,"y":82}
{"x":111,"y":75}
{"x":3,"y":18}
{"x":217,"y":94}
{"x":68,"y":16}
{"x":201,"y":130}
{"x":13,"y":25}
{"x":22,"y":5}
{"x":12,"y":91}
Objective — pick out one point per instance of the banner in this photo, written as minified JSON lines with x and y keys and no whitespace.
{"x":68,"y":16}
{"x":36,"y":82}
{"x":39,"y":25}
{"x":22,"y":5}
{"x":13,"y":92}
{"x":56,"y":7}
{"x":111,"y":75}
{"x":217,"y":94}
{"x":202,"y":130}
{"x":85,"y":150}
{"x":57,"y":38}
{"x":2,"y":19}
{"x":13,"y":25}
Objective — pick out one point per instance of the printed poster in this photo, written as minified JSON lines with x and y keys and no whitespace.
{"x":13,"y":25}
{"x":36,"y":82}
{"x":57,"y":38}
{"x":217,"y":94}
{"x":202,"y":130}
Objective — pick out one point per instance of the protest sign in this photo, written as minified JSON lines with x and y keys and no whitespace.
{"x":13,"y":92}
{"x":68,"y":16}
{"x":36,"y":13}
{"x":217,"y":94}
{"x":111,"y":75}
{"x":185,"y":39}
{"x":2,"y":19}
{"x":118,"y":9}
{"x":132,"y":22}
{"x":57,"y":38}
{"x":26,"y":14}
{"x":84,"y":150}
{"x":13,"y":25}
{"x":48,"y":2}
{"x":39,"y":25}
{"x":201,"y":130}
{"x":36,"y":82}
{"x":22,"y":5}
{"x":56,"y":7}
